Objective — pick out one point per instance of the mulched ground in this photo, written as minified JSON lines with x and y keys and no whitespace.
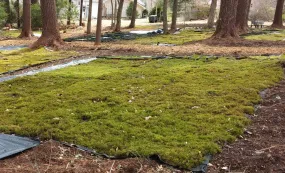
{"x":52,"y":157}
{"x":262,"y":148}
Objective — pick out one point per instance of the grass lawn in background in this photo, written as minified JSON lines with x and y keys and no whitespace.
{"x":180,"y":109}
{"x":178,"y":39}
{"x":13,"y":60}
{"x":267,"y":35}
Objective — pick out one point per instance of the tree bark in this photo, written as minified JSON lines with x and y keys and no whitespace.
{"x":35,"y":1}
{"x":174,"y":15}
{"x":119,"y":16}
{"x":99,"y":23}
{"x":8,"y":11}
{"x":165,"y":24}
{"x":89,"y":17}
{"x":27,"y":24}
{"x":278,"y":22}
{"x":212,"y":14}
{"x":18,"y":14}
{"x":112,"y":17}
{"x":134,"y":14}
{"x":242,"y":16}
{"x":69,"y":11}
{"x":226,"y":28}
{"x":81,"y":11}
{"x":50,"y":34}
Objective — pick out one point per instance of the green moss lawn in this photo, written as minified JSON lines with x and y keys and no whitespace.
{"x":13,"y":60}
{"x":267,"y":35}
{"x":181,"y":38}
{"x":180,"y":109}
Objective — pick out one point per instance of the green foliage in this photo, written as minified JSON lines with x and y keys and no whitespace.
{"x":62,"y":9}
{"x":129,"y":10}
{"x":156,"y":11}
{"x":180,"y":109}
{"x":12,"y":16}
{"x":3,"y":14}
{"x":36,"y":16}
{"x":144,"y":13}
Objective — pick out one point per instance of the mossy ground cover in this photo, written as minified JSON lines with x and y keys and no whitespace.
{"x":13,"y":60}
{"x":179,"y":39}
{"x":181,"y":109}
{"x":16,"y":33}
{"x":278,"y":35}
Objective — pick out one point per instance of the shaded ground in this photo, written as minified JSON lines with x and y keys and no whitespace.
{"x":251,"y":154}
{"x":53,"y":157}
{"x":262,"y":148}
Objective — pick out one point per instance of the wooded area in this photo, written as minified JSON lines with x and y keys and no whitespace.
{"x":142,"y":86}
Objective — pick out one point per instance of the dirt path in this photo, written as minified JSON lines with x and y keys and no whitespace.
{"x":53,"y":157}
{"x":262,"y":148}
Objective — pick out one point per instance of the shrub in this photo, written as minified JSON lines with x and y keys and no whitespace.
{"x":36,"y":16}
{"x":129,"y":10}
{"x":144,"y":13}
{"x":62,"y":9}
{"x":3,"y":14}
{"x":158,"y":10}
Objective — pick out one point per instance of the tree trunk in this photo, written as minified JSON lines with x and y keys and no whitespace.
{"x":226,"y":23}
{"x":134,"y":14}
{"x":27,"y":25}
{"x":81,"y":11}
{"x":50,"y":34}
{"x":242,"y":16}
{"x":112,"y":17}
{"x":18,"y":14}
{"x":69,"y":11}
{"x":8,"y":11}
{"x":174,"y":15}
{"x":119,"y":16}
{"x":165,"y":24}
{"x":99,"y":23}
{"x":35,"y":1}
{"x":212,"y":14}
{"x":89,"y":17}
{"x":278,"y":22}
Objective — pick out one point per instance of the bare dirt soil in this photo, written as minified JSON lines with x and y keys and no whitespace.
{"x":53,"y":157}
{"x":262,"y":148}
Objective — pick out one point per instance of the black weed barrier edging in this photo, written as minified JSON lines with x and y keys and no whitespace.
{"x":109,"y":37}
{"x":205,"y":58}
{"x":202,"y":168}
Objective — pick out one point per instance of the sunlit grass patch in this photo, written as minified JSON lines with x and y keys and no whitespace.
{"x":181,"y":38}
{"x":181,"y":109}
{"x":12,"y":60}
{"x":278,"y":35}
{"x":15,"y":33}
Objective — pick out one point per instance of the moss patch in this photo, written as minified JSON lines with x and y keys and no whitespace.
{"x":179,"y":109}
{"x":16,"y":33}
{"x":12,"y":60}
{"x":267,"y":35}
{"x":183,"y":37}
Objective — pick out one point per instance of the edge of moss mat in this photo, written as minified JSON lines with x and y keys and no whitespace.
{"x":180,"y":109}
{"x":17,"y":59}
